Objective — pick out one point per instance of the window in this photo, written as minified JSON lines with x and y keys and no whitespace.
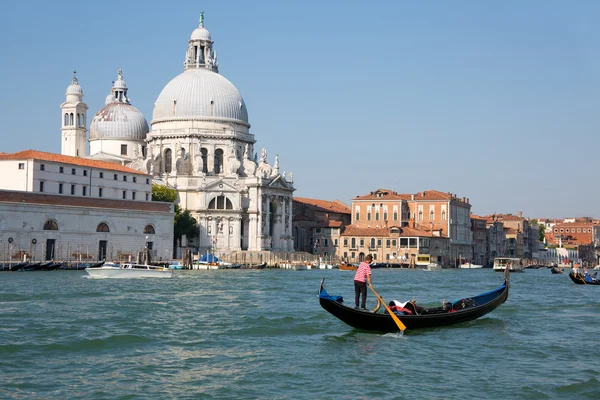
{"x":335,"y":242}
{"x":134,"y":179}
{"x":51,"y":225}
{"x":132,"y":195}
{"x":149,"y":229}
{"x":123,"y":149}
{"x":115,"y":177}
{"x":99,"y":192}
{"x":358,"y":216}
{"x":124,"y":178}
{"x":42,"y":167}
{"x":218,"y":161}
{"x":431,"y":215}
{"x":85,"y":172}
{"x":21,"y":165}
{"x":368,"y":216}
{"x":220,"y":203}
{"x":345,"y":242}
{"x":147,"y":181}
{"x":385,"y":216}
{"x":85,"y":190}
{"x":387,"y":243}
{"x":61,"y":169}
{"x":318,"y":230}
{"x":326,"y":242}
{"x":102,"y":227}
{"x":362,"y":242}
{"x":394,"y":242}
{"x":72,"y":189}
{"x":372,"y":243}
{"x":377,"y":216}
{"x":72,"y":171}
{"x":41,"y":186}
{"x":395,"y":216}
{"x":124,"y":195}
{"x":378,"y":242}
{"x":147,"y":196}
{"x":443,"y":215}
{"x":60,"y":188}
{"x":353,"y":243}
{"x":168,"y":161}
{"x":420,"y":215}
{"x":101,"y":175}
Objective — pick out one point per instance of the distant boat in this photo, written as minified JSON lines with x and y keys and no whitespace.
{"x":556,"y":270}
{"x":129,"y":271}
{"x":513,"y":264}
{"x":347,"y":267}
{"x":433,"y":267}
{"x":470,"y":266}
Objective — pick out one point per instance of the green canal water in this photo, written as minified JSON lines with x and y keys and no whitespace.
{"x":250,"y":334}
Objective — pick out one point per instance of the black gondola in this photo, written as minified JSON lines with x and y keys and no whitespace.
{"x":463,"y":310}
{"x":556,"y":270}
{"x":18,"y":266}
{"x":580,"y":280}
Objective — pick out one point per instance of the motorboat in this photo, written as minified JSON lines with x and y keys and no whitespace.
{"x":433,"y":267}
{"x":469,"y":265}
{"x":513,"y":264}
{"x":128,"y":270}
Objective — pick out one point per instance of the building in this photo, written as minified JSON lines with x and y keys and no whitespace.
{"x":55,"y":206}
{"x":318,"y":224}
{"x":199,"y":143}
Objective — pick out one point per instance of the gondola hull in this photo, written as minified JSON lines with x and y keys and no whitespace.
{"x":578,"y":279}
{"x":428,"y":318}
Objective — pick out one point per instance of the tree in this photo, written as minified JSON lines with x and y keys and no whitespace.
{"x":184,"y":223}
{"x":542,"y":232}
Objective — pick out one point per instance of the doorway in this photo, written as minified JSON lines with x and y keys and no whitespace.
{"x":102,"y":250}
{"x":50,"y":243}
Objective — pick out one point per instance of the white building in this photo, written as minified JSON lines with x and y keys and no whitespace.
{"x":55,"y":206}
{"x":200,"y":144}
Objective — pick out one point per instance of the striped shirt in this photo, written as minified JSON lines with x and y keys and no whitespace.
{"x":361,"y":273}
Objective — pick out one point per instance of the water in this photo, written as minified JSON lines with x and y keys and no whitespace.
{"x":249,"y":334}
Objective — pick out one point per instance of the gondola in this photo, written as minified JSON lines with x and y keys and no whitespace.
{"x":18,"y":266}
{"x":556,"y":270}
{"x":579,"y":279}
{"x":462,"y":310}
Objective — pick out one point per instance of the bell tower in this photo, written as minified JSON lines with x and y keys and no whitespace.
{"x":73,"y":116}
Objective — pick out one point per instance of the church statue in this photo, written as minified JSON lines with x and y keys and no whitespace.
{"x":290,"y":178}
{"x":264,"y":170}
{"x":199,"y":162}
{"x":232,"y":162}
{"x":249,"y":165}
{"x":275,"y":171}
{"x":156,"y":164}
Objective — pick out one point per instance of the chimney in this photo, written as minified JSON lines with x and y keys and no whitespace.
{"x":520,"y":214}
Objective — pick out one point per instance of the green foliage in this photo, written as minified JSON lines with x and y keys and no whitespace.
{"x":184,"y":223}
{"x":542,"y":231}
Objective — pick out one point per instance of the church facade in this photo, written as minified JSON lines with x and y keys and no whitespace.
{"x":199,"y":143}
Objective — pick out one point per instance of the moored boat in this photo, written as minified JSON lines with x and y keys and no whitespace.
{"x":347,"y":267}
{"x":469,"y":265}
{"x":433,"y":267}
{"x":462,"y":310}
{"x":128,"y":271}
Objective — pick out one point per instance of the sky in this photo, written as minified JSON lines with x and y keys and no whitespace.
{"x":493,"y":101}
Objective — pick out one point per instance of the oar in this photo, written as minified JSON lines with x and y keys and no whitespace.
{"x":401,"y":326}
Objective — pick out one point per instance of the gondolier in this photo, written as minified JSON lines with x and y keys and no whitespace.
{"x":361,"y":278}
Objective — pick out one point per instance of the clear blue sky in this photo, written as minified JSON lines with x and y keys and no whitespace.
{"x":494,"y":101}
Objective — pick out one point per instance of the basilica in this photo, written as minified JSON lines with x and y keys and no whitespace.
{"x":199,"y":143}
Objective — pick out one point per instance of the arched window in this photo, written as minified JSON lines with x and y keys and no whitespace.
{"x":218,"y":161}
{"x":149,"y":229}
{"x":204,"y":154}
{"x":431,"y":215}
{"x":443,"y":215}
{"x":71,"y":119}
{"x":220,"y":203}
{"x":66,"y":119}
{"x":102,"y":227}
{"x":168,"y":161}
{"x":51,"y":225}
{"x":420,"y":215}
{"x":372,"y":243}
{"x":353,"y":241}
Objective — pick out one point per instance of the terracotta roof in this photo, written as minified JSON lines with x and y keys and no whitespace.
{"x":59,"y":158}
{"x":384,"y":194}
{"x":329,"y":224}
{"x":330,"y":206}
{"x":508,"y":217}
{"x":7,"y":196}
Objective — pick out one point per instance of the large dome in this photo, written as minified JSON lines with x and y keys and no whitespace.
{"x":200,"y":94}
{"x":118,"y":121}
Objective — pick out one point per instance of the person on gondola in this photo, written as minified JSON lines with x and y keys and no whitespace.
{"x":362,"y":276}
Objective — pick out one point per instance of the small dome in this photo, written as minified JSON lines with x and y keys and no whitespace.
{"x":74,"y":88}
{"x":200,"y":33}
{"x":117,"y":120}
{"x":110,"y":98}
{"x":120,"y":84}
{"x":200,"y":94}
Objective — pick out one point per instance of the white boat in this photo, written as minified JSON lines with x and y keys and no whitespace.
{"x":513,"y":264}
{"x":129,"y":271}
{"x":470,"y":266}
{"x":433,"y":267}
{"x":325,"y":266}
